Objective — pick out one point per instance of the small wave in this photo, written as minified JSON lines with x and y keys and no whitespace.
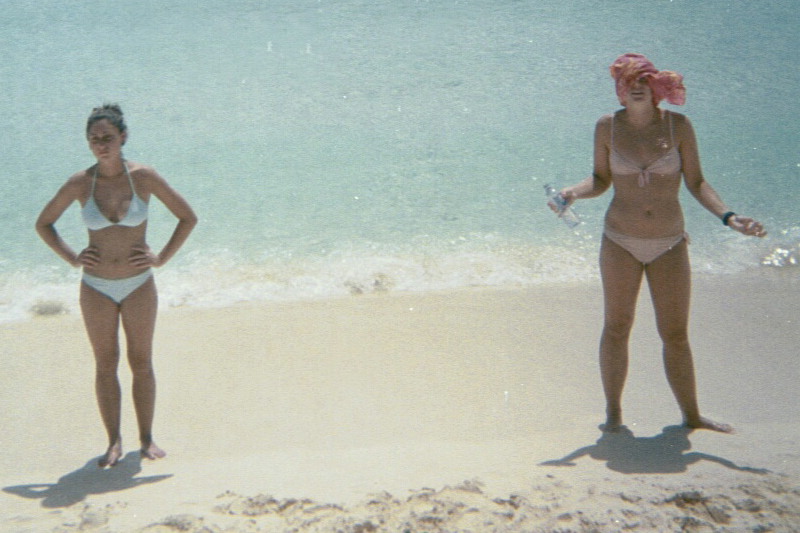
{"x":49,"y":308}
{"x":38,"y":292}
{"x":222,"y":278}
{"x":350,"y":270}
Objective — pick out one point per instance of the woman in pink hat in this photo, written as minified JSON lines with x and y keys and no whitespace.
{"x":644,"y":152}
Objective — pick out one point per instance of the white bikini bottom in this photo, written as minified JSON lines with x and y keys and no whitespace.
{"x":117,"y":289}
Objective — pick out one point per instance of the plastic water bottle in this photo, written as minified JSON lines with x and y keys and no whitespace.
{"x":564,"y":212}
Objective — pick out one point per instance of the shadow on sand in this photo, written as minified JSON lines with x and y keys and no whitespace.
{"x":661,"y":454}
{"x":74,"y":487}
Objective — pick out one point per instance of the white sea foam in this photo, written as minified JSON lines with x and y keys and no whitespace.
{"x":222,"y":278}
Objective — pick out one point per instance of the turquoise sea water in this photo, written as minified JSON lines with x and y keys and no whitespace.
{"x":340,"y":147}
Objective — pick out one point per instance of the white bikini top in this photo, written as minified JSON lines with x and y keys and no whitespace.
{"x":96,"y":220}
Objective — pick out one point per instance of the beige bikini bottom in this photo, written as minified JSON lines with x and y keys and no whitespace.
{"x":646,"y":250}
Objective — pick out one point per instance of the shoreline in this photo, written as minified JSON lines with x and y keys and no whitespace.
{"x":472,"y":398}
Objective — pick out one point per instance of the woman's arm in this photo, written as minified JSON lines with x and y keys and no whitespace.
{"x":600,"y":180}
{"x":179,"y":207}
{"x":701,"y":189}
{"x":45,"y":224}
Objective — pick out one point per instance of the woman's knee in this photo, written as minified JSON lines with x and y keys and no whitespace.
{"x":140,"y":361}
{"x":674,"y":337}
{"x":106,"y":360}
{"x":618,"y":327}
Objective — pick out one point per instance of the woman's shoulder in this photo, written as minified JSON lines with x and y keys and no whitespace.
{"x":76,"y":187}
{"x":607,"y":119}
{"x":137,"y":169}
{"x":603,"y":125}
{"x":680,"y":123}
{"x":677,"y":118}
{"x":144,"y":176}
{"x":141,"y":172}
{"x":80,"y":181}
{"x":82,"y":175}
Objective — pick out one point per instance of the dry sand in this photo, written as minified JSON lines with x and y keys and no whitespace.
{"x":473,"y":410}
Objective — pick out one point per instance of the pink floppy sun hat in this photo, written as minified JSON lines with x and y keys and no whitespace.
{"x":665,"y":84}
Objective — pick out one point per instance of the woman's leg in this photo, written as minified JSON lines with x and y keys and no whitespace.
{"x":622,"y":278}
{"x":101,"y":318}
{"x":139,"y":311}
{"x":669,"y":278}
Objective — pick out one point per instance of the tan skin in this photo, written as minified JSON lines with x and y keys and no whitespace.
{"x":641,"y":135}
{"x":118,"y":252}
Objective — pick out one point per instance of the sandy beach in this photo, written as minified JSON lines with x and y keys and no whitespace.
{"x":472,"y":410}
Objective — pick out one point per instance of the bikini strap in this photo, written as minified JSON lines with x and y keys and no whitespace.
{"x":671,"y":135}
{"x":613,"y":116}
{"x":94,"y":181}
{"x":127,"y":173}
{"x":130,"y":179}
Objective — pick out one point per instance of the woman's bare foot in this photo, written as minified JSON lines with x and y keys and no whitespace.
{"x":112,"y":456}
{"x":705,"y":423}
{"x":151,"y":451}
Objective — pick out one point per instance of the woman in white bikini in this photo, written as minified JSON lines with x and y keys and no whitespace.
{"x":644,"y":151}
{"x":117,"y":285}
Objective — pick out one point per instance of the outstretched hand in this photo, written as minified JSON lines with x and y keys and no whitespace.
{"x":747,"y":226}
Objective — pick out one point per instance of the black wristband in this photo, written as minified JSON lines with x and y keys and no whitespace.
{"x":726,"y":217}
